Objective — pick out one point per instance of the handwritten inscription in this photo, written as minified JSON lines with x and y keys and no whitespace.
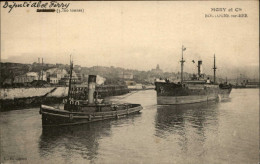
{"x":40,"y":4}
{"x":226,"y":13}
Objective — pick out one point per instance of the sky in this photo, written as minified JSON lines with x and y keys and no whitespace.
{"x":136,"y":35}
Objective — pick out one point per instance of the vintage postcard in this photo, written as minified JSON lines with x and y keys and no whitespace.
{"x":133,"y":82}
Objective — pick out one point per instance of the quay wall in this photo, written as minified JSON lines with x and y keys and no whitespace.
{"x":14,"y":98}
{"x":59,"y":92}
{"x":16,"y":93}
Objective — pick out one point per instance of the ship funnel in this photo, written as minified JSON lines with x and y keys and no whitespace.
{"x":91,"y":88}
{"x":199,"y":67}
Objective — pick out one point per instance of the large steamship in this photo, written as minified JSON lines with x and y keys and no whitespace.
{"x":195,"y":90}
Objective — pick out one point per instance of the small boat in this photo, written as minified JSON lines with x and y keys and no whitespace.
{"x":85,"y":111}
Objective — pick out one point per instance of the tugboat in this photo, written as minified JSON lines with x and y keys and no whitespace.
{"x":196,"y":90}
{"x":85,"y":111}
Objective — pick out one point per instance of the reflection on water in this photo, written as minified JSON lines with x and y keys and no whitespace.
{"x":187,"y":123}
{"x":175,"y":118}
{"x":80,"y":139}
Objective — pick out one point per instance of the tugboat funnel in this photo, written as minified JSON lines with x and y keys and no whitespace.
{"x":91,"y":88}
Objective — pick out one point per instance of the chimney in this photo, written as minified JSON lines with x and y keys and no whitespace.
{"x":91,"y":88}
{"x":199,"y":67}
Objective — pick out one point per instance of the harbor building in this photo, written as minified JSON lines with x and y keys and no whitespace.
{"x":126,"y":75}
{"x":24,"y":79}
{"x":157,"y":70}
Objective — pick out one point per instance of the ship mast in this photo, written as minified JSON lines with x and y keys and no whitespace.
{"x":42,"y":70}
{"x":214,"y":68}
{"x":182,"y":62}
{"x":71,"y":68}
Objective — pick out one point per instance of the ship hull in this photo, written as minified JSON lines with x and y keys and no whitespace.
{"x":176,"y":94}
{"x":52,"y":117}
{"x":177,"y":100}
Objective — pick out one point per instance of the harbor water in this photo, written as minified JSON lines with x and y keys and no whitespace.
{"x":216,"y":132}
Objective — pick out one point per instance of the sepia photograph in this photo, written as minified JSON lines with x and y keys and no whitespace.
{"x":129,"y":82}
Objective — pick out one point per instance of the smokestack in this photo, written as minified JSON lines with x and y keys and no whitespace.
{"x":91,"y":88}
{"x":199,"y":67}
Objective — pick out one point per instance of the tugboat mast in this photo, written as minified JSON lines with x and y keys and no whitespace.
{"x":214,"y":68}
{"x":182,"y":62}
{"x":42,"y":70}
{"x":71,"y":68}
